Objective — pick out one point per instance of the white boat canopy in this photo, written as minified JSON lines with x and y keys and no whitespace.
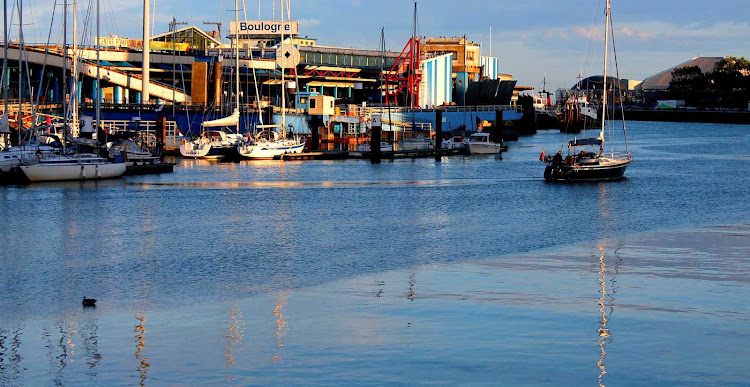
{"x":232,"y":120}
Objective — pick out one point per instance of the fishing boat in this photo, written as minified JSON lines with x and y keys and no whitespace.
{"x":480,"y":143}
{"x":586,"y":159}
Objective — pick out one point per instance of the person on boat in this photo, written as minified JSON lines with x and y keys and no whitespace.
{"x":557,"y":160}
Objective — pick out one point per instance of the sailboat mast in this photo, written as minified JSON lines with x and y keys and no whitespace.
{"x":65,"y":72}
{"x":98,"y":72}
{"x":283,"y":80}
{"x":237,"y":56}
{"x":74,"y":88}
{"x":604,"y":89}
{"x":5,"y":129}
{"x":20,"y":68}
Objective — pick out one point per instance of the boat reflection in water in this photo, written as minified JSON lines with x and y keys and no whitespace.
{"x":606,"y":307}
{"x":235,"y":333}
{"x":281,"y":326}
{"x":10,"y":359}
{"x":140,"y":339}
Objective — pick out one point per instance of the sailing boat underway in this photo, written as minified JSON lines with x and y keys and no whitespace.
{"x":591,"y":163}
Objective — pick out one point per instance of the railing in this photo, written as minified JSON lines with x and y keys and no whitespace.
{"x":447,"y":108}
{"x":146,"y":131}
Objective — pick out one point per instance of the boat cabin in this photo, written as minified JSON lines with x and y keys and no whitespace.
{"x":480,"y":138}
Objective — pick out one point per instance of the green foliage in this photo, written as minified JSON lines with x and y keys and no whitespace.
{"x":690,"y":84}
{"x":731,"y":82}
{"x":727,"y":86}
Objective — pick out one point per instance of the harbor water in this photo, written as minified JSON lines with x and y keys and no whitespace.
{"x":468,"y":270}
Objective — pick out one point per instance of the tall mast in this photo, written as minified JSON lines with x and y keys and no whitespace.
{"x":4,"y":129}
{"x":65,"y":72}
{"x":98,"y":73}
{"x":237,"y":57}
{"x":20,"y":68}
{"x":604,"y":89}
{"x":74,"y":88}
{"x":283,"y":79}
{"x":146,"y":52}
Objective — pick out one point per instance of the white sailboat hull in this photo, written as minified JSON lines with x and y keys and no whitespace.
{"x":8,"y":162}
{"x":194,"y":150}
{"x":269,"y":151}
{"x":62,"y":172}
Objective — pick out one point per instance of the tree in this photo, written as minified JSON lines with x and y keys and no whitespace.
{"x":689,"y":83}
{"x":730,"y":80}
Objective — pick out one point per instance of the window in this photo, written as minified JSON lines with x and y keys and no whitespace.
{"x":312,"y":104}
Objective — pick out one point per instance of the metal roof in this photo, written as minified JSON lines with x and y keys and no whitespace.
{"x":660,"y":81}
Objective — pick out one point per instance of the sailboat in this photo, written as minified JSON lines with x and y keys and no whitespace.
{"x":216,"y":143}
{"x":272,"y":141}
{"x":586,"y":159}
{"x":80,"y":166}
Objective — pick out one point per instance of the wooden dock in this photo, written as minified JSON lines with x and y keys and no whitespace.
{"x":410,"y":154}
{"x":149,"y":169}
{"x":343,"y":155}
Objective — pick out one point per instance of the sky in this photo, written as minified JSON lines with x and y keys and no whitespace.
{"x":534,"y":39}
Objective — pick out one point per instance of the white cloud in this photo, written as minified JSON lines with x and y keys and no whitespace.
{"x":309,"y":22}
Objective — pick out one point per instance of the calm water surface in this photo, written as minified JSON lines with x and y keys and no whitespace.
{"x":468,"y":270}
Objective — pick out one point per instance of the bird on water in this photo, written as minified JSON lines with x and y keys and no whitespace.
{"x":88,"y":301}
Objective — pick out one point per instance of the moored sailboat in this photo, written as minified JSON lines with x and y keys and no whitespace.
{"x":214,"y":143}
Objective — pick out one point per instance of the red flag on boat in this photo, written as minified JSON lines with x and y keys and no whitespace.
{"x":541,"y":156}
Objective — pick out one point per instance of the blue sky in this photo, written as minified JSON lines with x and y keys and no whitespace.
{"x":534,"y":39}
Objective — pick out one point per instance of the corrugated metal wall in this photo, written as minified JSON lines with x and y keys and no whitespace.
{"x":437,"y":81}
{"x":491,"y":66}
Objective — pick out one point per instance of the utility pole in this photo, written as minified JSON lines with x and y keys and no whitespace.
{"x":218,"y":26}
{"x":172,"y":28}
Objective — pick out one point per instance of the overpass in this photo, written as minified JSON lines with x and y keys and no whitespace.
{"x":111,"y":71}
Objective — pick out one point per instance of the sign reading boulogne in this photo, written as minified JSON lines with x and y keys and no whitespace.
{"x":264,"y":28}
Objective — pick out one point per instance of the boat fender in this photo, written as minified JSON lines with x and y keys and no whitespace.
{"x":182,"y":141}
{"x":98,"y":173}
{"x":83,"y":173}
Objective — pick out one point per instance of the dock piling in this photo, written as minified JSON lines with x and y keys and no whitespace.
{"x":375,"y":154}
{"x":438,"y":133}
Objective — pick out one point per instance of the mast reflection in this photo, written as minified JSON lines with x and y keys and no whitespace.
{"x":235,"y":333}
{"x":281,"y":326}
{"x":10,"y":359}
{"x":606,"y":304}
{"x":412,"y":281}
{"x":90,"y":339}
{"x":140,"y":339}
{"x":604,"y":333}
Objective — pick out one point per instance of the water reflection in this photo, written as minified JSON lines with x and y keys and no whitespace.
{"x":235,"y":333}
{"x":60,"y":352}
{"x":90,"y":344}
{"x":410,"y":295}
{"x":281,"y":326}
{"x":604,"y":333}
{"x":606,"y":304}
{"x":140,"y":339}
{"x":10,"y":359}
